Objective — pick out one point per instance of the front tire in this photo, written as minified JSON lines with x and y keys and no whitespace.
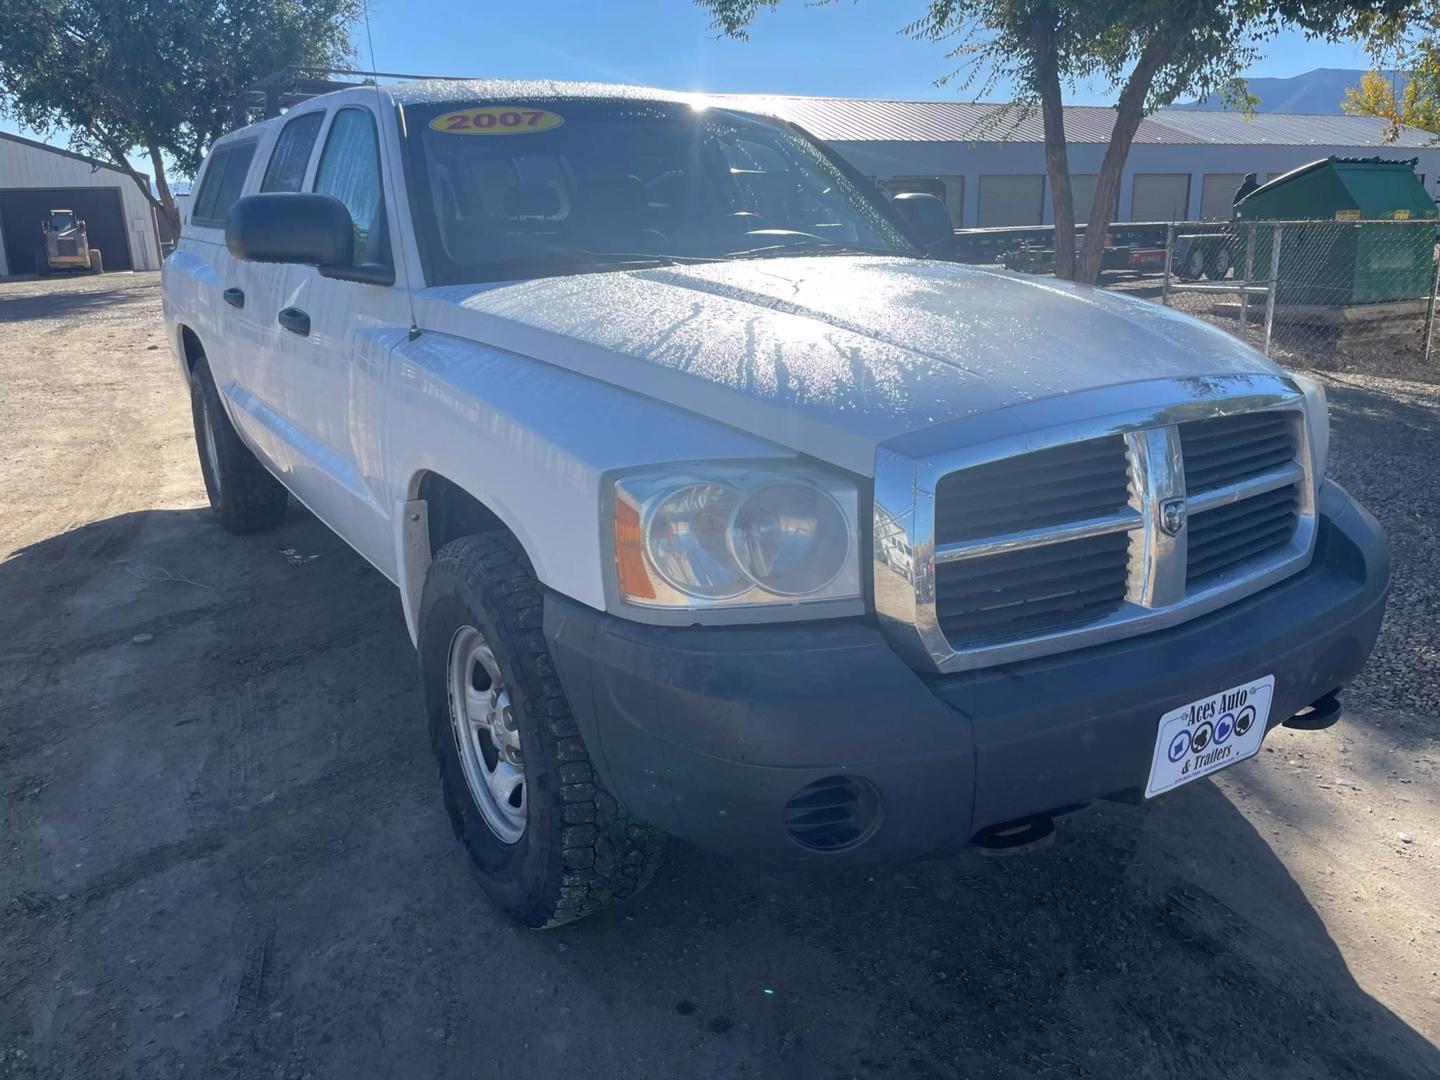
{"x":97,"y":261}
{"x":549,"y":843}
{"x":244,"y":496}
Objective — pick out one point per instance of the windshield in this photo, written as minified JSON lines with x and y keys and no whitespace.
{"x":504,"y":191}
{"x":60,"y":220}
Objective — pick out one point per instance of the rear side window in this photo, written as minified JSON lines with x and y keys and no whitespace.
{"x":286,"y":170}
{"x":224,"y":180}
{"x":350,"y":171}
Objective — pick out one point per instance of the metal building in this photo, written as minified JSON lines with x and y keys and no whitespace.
{"x":36,"y":178}
{"x":988,"y":161}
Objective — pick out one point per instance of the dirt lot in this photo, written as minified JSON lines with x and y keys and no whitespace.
{"x":224,"y":854}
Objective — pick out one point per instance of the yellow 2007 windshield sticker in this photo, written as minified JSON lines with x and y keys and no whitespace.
{"x":497,"y":120}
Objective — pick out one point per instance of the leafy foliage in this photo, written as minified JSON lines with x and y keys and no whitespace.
{"x":1411,"y":42}
{"x":155,"y":76}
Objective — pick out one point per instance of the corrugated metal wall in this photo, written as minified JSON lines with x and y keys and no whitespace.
{"x":24,"y":165}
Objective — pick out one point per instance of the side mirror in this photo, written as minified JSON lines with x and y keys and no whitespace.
{"x":290,"y":228}
{"x":928,"y":219}
{"x":315,"y":230}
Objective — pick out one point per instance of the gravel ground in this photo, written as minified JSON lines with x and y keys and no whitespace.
{"x":224,"y":853}
{"x":1385,"y":442}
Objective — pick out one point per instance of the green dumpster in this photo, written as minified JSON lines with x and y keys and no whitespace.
{"x":1335,"y":264}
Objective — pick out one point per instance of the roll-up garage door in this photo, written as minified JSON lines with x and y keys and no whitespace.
{"x":1217,"y":194}
{"x":1160,"y":197}
{"x":22,"y":210}
{"x":1082,"y":193}
{"x":1012,"y":200}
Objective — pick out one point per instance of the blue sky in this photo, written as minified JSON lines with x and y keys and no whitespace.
{"x":844,"y":48}
{"x":849,"y":48}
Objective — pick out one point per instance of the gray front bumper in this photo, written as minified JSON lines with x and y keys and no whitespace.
{"x":707,"y":732}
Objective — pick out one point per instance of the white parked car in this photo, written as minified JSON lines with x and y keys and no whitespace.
{"x":718,"y":509}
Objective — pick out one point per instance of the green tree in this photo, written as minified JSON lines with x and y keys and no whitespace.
{"x":1149,"y":52}
{"x":154,"y":77}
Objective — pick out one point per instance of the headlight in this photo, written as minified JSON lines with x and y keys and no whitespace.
{"x":1317,"y":419}
{"x":789,"y":538}
{"x":687,"y":539}
{"x":705,"y":537}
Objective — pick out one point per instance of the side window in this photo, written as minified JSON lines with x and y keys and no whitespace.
{"x":350,"y":171}
{"x":224,"y":180}
{"x":286,"y":170}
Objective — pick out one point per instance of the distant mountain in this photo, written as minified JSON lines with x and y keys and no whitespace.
{"x":1318,"y":91}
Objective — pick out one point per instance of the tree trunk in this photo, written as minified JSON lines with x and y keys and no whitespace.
{"x":119,"y":157}
{"x":166,"y":206}
{"x":1057,"y":159}
{"x":1128,"y":114}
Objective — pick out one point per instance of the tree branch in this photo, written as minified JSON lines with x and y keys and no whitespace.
{"x":115,"y":148}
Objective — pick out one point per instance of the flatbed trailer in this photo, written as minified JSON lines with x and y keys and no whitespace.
{"x":1034,"y":259}
{"x":1132,"y":245}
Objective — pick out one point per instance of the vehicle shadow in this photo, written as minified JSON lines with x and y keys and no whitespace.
{"x":229,"y":845}
{"x":83,"y":296}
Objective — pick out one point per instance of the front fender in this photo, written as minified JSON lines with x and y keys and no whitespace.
{"x":530,"y":441}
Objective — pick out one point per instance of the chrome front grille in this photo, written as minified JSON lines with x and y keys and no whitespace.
{"x":1229,"y":537}
{"x":1007,"y":586}
{"x":1061,"y":484}
{"x":1225,"y":449}
{"x":1050,"y":540}
{"x":1031,"y":590}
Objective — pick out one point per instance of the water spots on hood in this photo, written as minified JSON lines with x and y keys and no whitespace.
{"x":874,"y":346}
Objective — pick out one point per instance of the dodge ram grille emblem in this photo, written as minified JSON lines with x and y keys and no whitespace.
{"x":1172,"y":516}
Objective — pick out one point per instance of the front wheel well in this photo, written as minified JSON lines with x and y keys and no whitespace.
{"x":191,"y":348}
{"x":437,"y":511}
{"x":452,"y":512}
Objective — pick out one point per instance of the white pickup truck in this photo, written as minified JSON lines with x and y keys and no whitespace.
{"x":720,"y":510}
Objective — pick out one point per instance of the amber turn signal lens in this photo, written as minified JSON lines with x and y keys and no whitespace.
{"x":630,"y":553}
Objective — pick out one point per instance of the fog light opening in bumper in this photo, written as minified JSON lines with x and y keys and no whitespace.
{"x":836,"y":813}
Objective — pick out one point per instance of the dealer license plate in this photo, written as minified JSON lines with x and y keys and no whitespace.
{"x":1205,"y":736}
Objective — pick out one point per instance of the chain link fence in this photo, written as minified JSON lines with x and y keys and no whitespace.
{"x":1312,"y":293}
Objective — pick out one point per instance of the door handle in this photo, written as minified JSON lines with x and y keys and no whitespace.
{"x":234,"y":297}
{"x":294,"y":320}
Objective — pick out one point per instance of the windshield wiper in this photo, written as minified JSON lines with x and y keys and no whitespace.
{"x":810,"y":247}
{"x":578,"y":261}
{"x":627,"y":258}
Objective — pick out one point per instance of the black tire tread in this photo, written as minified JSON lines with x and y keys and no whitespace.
{"x":249,"y":499}
{"x":605,"y":855}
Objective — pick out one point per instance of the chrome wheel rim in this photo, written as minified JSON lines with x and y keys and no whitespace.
{"x":487,"y":735}
{"x":212,"y":454}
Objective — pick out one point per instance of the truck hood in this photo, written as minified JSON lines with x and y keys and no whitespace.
{"x":833,"y":355}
